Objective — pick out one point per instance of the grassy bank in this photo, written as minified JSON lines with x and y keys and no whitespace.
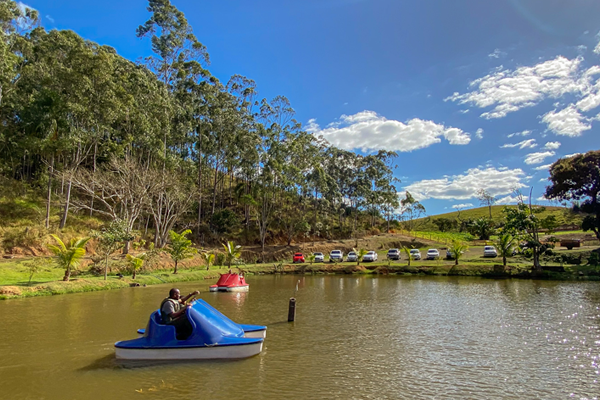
{"x":49,"y":283}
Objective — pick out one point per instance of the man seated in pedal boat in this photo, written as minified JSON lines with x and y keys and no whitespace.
{"x":172,"y":312}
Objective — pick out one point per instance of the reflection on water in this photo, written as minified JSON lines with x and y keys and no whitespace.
{"x":354,"y":337}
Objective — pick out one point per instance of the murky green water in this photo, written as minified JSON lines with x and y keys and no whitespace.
{"x":355,"y":337}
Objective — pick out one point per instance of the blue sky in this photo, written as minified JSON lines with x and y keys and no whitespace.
{"x":472,"y":94}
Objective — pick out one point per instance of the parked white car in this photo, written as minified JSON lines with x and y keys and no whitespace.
{"x":433,"y":254}
{"x":319,"y":257}
{"x":490,"y":251}
{"x":336,"y":255}
{"x":352,"y":257}
{"x":370,"y":257}
{"x":415,"y":254}
{"x":393,"y":254}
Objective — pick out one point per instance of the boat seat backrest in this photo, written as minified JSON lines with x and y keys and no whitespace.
{"x":159,"y":331}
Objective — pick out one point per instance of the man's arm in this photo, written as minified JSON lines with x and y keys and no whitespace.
{"x":184,"y":299}
{"x":179,"y":313}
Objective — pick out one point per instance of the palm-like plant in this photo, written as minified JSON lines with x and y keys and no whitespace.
{"x":209,"y":259}
{"x":505,"y":244}
{"x":180,"y":247}
{"x":70,"y":257}
{"x":311,"y":258}
{"x":136,"y":262}
{"x":457,"y":250}
{"x":232,"y":252}
{"x":360,"y":254}
{"x":406,"y":251}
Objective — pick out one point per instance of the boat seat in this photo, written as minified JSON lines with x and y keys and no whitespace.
{"x":156,"y":329}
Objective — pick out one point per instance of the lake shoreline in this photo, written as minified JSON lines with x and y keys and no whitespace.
{"x":80,"y":284}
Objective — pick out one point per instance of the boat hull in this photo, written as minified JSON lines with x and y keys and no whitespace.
{"x":260,"y":334}
{"x":230,"y":289}
{"x":191,"y":353}
{"x":256,"y":334}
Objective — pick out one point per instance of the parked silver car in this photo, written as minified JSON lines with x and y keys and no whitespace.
{"x":352,"y":257}
{"x":336,"y":255}
{"x":393,"y":254}
{"x":415,"y":254}
{"x":433,"y":254}
{"x":490,"y":251}
{"x":319,"y":257}
{"x":370,"y":257}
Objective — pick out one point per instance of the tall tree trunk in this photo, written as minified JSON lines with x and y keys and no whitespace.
{"x":49,"y":195}
{"x":106,"y":267}
{"x":215,"y":188}
{"x":175,"y":271}
{"x":63,"y":220}
{"x":94,"y":172}
{"x":199,"y":195}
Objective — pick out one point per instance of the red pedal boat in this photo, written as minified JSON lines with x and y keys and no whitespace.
{"x":230,"y":283}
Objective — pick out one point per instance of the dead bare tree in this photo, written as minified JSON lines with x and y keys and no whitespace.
{"x":171,"y":198}
{"x":121,"y":190}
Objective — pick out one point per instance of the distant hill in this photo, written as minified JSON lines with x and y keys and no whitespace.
{"x":564,"y":216}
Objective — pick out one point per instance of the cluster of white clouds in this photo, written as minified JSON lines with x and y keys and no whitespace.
{"x":461,"y":206}
{"x":370,"y":131}
{"x":538,"y":158}
{"x":529,"y":143}
{"x":508,"y":91}
{"x":496,"y":181}
{"x":523,"y":133}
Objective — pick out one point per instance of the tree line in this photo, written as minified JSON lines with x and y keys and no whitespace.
{"x":163,"y":144}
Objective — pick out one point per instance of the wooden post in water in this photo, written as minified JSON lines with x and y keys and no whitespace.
{"x":292,"y":310}
{"x":292,"y":305}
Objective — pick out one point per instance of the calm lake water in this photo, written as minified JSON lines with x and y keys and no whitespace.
{"x":354,"y":337}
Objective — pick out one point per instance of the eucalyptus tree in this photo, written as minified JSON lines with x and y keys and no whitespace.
{"x":177,"y":53}
{"x":411,"y":210}
{"x":15,"y":22}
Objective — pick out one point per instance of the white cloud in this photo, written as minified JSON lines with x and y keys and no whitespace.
{"x":497,"y":53}
{"x":551,"y":146}
{"x":543,"y":167}
{"x":508,"y":200}
{"x":464,"y":111}
{"x":523,"y":133}
{"x":508,"y":91}
{"x":368,"y":131}
{"x":479,"y":133}
{"x":465,"y":186}
{"x":566,"y":122}
{"x":49,"y":18}
{"x":529,"y":143}
{"x":464,"y":205}
{"x":597,"y":48}
{"x":537,"y":158}
{"x":571,"y":155}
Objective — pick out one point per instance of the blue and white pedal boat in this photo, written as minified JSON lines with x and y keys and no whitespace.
{"x":214,"y":336}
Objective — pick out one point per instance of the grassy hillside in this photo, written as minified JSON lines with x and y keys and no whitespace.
{"x":563,"y":215}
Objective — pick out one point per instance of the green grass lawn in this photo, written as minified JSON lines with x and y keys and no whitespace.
{"x":14,"y":272}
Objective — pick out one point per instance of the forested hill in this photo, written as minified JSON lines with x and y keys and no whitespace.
{"x":166,"y":145}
